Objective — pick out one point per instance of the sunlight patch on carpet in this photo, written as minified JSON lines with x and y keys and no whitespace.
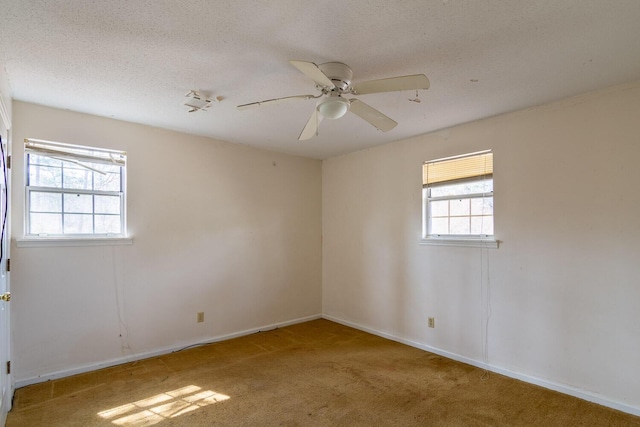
{"x":154,"y":409}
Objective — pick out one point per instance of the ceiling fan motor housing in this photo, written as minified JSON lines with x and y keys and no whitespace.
{"x":340,"y":74}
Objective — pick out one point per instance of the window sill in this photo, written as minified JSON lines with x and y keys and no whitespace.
{"x":472,"y":243}
{"x":40,"y":242}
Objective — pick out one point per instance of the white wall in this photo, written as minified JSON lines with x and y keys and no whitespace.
{"x":564,"y":287}
{"x":5,"y":90}
{"x":217,"y":227}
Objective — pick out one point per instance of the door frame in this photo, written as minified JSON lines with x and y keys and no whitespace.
{"x":7,"y":383}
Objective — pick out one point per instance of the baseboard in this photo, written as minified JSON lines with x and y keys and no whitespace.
{"x":158,"y":352}
{"x":571,"y":391}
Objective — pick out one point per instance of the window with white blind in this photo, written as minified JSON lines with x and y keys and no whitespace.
{"x":74,"y":191}
{"x":458,"y":198}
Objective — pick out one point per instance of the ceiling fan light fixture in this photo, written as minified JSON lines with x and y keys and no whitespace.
{"x":334,"y":107}
{"x":198,"y":102}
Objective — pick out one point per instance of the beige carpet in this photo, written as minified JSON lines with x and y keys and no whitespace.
{"x":317,"y":373}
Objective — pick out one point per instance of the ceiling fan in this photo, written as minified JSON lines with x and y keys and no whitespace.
{"x":333,"y":79}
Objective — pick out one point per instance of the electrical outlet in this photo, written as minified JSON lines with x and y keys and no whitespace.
{"x":200,"y":316}
{"x":432,"y":322}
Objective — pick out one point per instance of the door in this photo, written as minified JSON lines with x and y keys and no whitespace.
{"x":6,"y":385}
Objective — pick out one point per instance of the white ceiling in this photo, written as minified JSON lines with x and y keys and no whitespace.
{"x":135,"y":60}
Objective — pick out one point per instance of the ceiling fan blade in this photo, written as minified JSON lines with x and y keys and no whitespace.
{"x":392,"y":84}
{"x":273,"y":101}
{"x":311,"y":128}
{"x":312,"y":71}
{"x":371,"y":115}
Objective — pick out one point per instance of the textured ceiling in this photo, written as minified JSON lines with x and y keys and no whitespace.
{"x":135,"y":60}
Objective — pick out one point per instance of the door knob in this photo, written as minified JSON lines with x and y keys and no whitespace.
{"x":6,"y":296}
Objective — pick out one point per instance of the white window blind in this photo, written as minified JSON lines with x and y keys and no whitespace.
{"x":75,"y":152}
{"x":458,"y":168}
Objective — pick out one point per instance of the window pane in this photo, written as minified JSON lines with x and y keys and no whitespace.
{"x":482,"y":206}
{"x":78,"y":203}
{"x":78,"y":179}
{"x":444,"y":190}
{"x":78,"y":224}
{"x":108,"y":224}
{"x":45,"y":202}
{"x":107,"y":182}
{"x":45,"y":223}
{"x":36,"y":159}
{"x":106,"y":168}
{"x":439,"y":226}
{"x":460,"y":226}
{"x":460,"y":207}
{"x":439,"y":208}
{"x":487,"y":226}
{"x":45,"y":176}
{"x":462,"y":188}
{"x":107,"y":204}
{"x":482,"y":225}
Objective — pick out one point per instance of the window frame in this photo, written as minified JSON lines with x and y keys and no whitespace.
{"x":85,"y":157}
{"x":473,"y":240}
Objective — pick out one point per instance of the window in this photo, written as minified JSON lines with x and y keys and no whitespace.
{"x":74,"y":191}
{"x":458,"y":197}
